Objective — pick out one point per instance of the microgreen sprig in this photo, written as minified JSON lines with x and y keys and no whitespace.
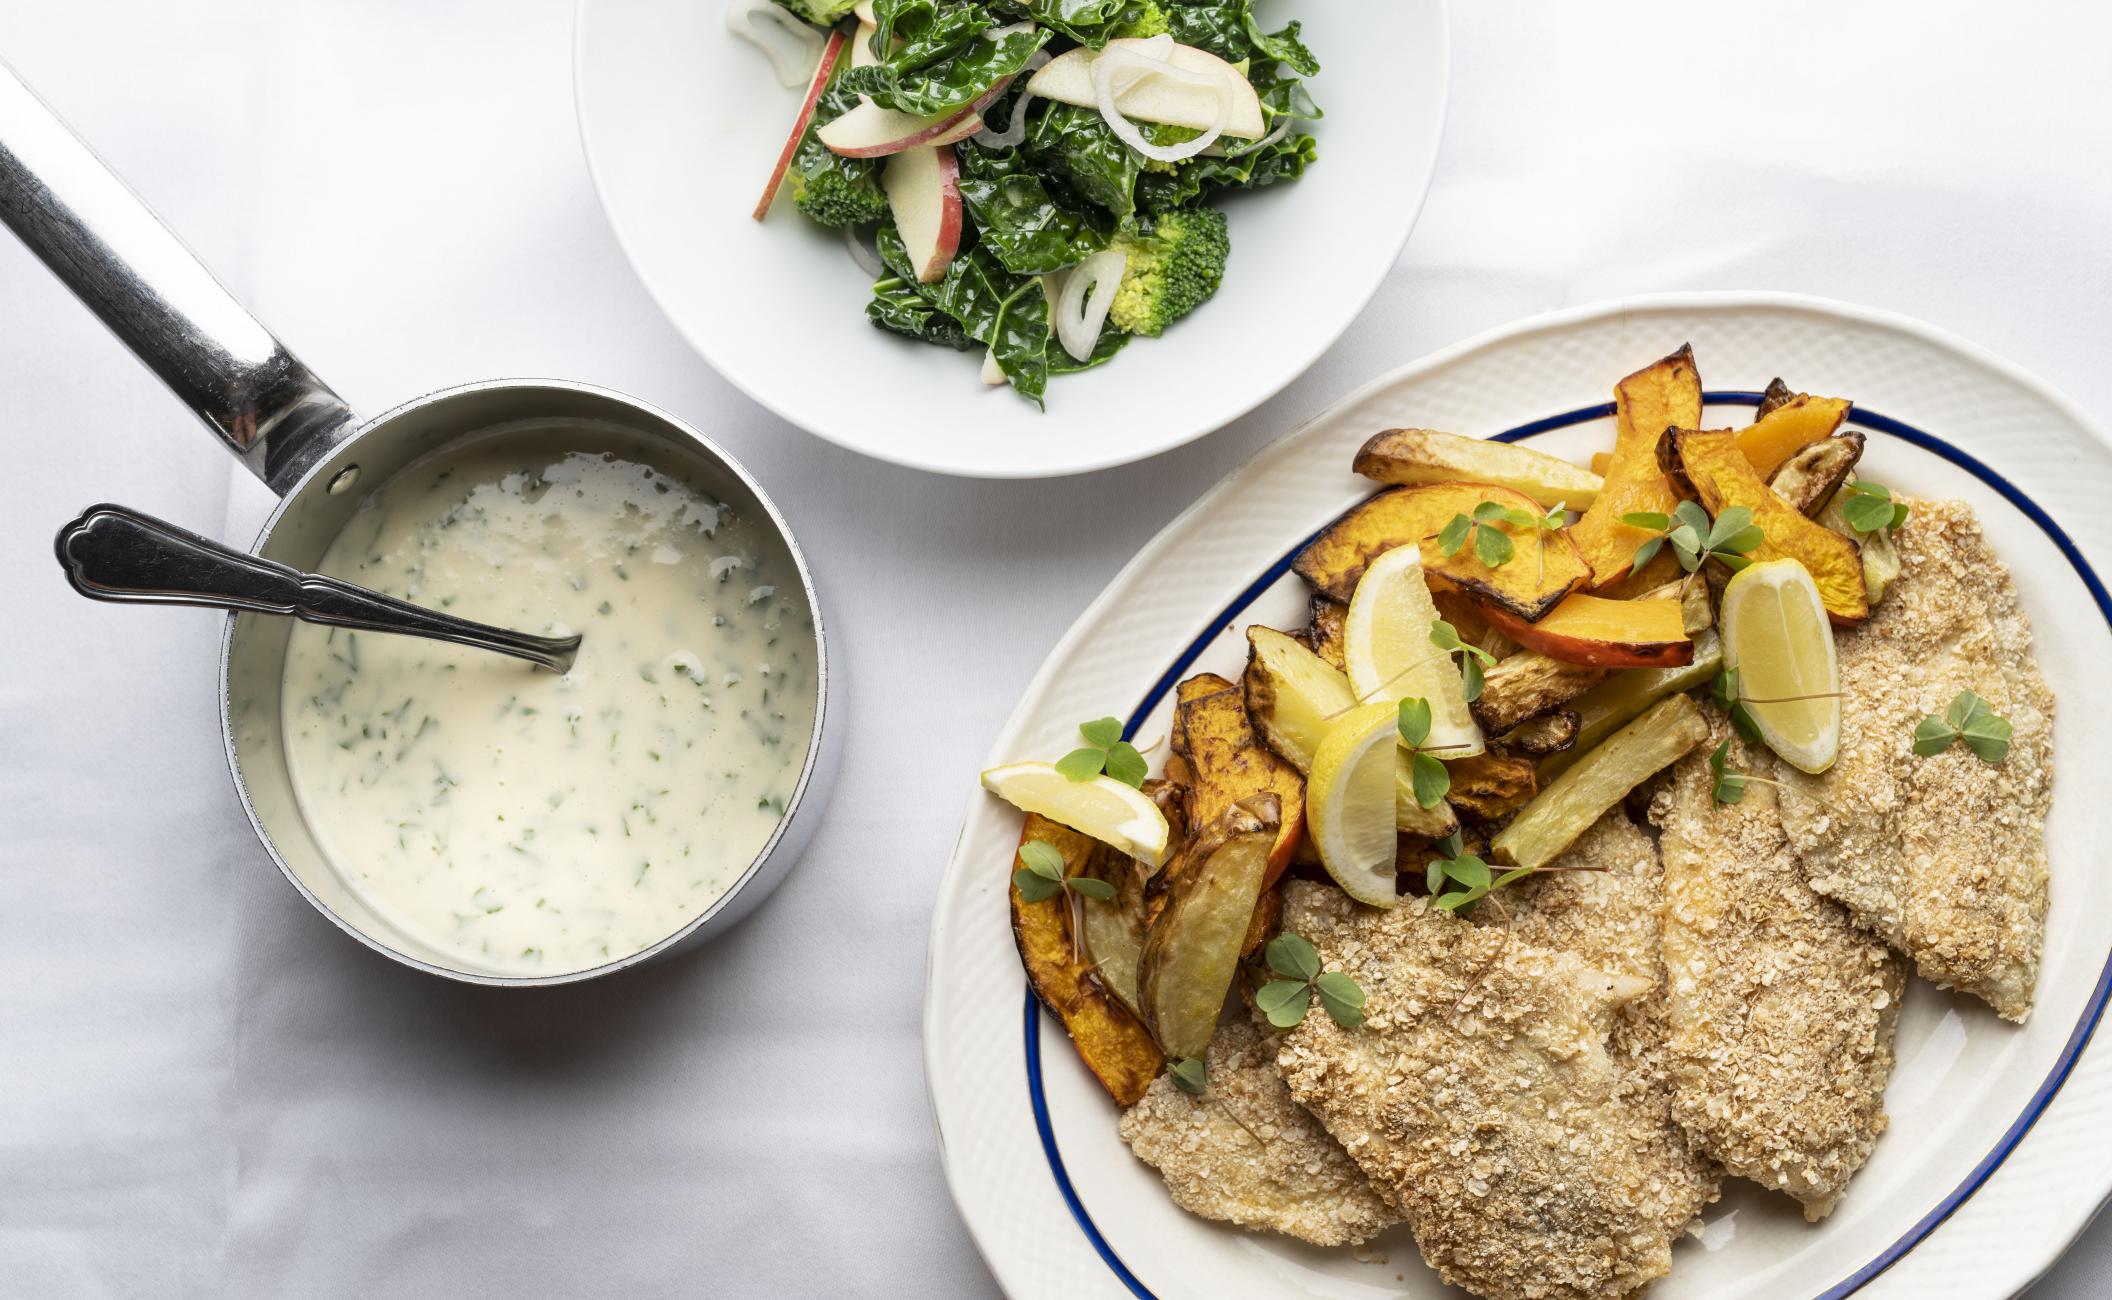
{"x":1042,"y":876}
{"x":1472,"y":657}
{"x":1429,"y":777}
{"x":1694,"y":538}
{"x":1492,"y":546}
{"x":1104,"y":751}
{"x":1474,"y":878}
{"x":1285,"y":1001}
{"x":1730,"y":783}
{"x":1969,"y":719}
{"x":1869,"y":508}
{"x":1190,"y":1075}
{"x":1732,"y":700}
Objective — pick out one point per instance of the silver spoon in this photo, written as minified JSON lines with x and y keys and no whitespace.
{"x":120,"y":555}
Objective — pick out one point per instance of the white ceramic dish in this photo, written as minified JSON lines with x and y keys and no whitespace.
{"x":681,"y":122}
{"x":1056,"y":1202}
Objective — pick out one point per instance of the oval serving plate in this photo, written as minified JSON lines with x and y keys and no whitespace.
{"x":681,"y":122}
{"x":1994,"y":1156}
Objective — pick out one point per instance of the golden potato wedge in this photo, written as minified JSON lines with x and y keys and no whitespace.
{"x":1113,"y":1043}
{"x":1722,"y":477}
{"x":1412,"y":456}
{"x":1266,"y":921}
{"x":1212,"y":732}
{"x":1324,"y":632}
{"x":1789,"y":429}
{"x":1597,"y":781}
{"x":1808,"y":479}
{"x":1490,"y":787}
{"x":1536,"y":737}
{"x":1293,"y":698}
{"x":1646,"y":403}
{"x":1621,"y":698}
{"x":1544,"y":568}
{"x":1527,"y":684}
{"x":1605,"y":633}
{"x":1194,"y":947}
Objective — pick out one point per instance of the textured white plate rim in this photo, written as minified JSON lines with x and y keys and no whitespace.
{"x":1181,"y":435}
{"x":2069,"y":1215}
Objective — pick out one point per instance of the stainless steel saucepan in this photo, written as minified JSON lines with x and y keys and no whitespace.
{"x":301,"y":439}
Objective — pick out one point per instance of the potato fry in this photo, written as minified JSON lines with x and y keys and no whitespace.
{"x":1113,"y":1043}
{"x":1193,"y":949}
{"x":1722,"y":477}
{"x":1544,"y":568}
{"x":1621,"y":698}
{"x":1411,"y":456}
{"x":1653,"y":399}
{"x":1598,"y":780}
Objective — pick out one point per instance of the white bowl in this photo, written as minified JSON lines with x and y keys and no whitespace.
{"x":682,"y":122}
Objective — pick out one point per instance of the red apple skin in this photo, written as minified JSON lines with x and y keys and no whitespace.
{"x":934,"y":268}
{"x":932,"y":131}
{"x":822,"y":72}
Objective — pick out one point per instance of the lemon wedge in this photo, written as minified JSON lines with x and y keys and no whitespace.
{"x":1349,"y":801}
{"x":1386,"y":648}
{"x":1103,"y":808}
{"x":1776,"y":635}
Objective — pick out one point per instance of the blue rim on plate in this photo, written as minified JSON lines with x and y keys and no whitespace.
{"x":2071,"y":1051}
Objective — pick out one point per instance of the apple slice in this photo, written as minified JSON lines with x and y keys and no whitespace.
{"x":1068,"y":79}
{"x":923,"y":191}
{"x":870,"y":131}
{"x":822,"y":72}
{"x":862,"y":45}
{"x":864,"y":10}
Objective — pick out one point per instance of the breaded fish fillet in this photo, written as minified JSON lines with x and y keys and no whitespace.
{"x":1780,"y":1011}
{"x":1603,"y":904}
{"x":1245,"y":1153}
{"x":1480,"y":1098}
{"x":1943,"y":857}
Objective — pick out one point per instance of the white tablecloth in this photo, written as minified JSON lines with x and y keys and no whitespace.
{"x":206,"y":1091}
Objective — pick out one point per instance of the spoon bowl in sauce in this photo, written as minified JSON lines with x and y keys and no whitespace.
{"x":471,"y":816}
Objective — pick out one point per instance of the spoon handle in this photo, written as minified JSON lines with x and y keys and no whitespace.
{"x":120,"y":555}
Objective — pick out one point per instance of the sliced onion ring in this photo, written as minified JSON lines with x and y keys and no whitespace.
{"x":1015,"y":131}
{"x":1282,"y":129}
{"x":1079,"y":316}
{"x":1111,"y":63}
{"x":794,"y":67}
{"x":862,"y":252}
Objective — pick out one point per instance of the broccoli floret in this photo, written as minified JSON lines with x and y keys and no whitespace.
{"x":1141,"y":18}
{"x":1171,"y":271}
{"x":821,"y":13}
{"x":838,"y":196}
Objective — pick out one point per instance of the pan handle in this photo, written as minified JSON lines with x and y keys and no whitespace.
{"x":154,"y":294}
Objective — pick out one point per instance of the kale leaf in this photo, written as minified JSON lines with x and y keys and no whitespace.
{"x":1028,"y":224}
{"x":948,"y":58}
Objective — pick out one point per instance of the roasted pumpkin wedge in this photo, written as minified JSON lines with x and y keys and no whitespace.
{"x":1543,"y":568}
{"x":1789,"y":429}
{"x":1114,"y":1044}
{"x":1603,"y":633}
{"x":1722,"y":477}
{"x":1658,"y":397}
{"x":1426,"y":456}
{"x":1212,"y":732}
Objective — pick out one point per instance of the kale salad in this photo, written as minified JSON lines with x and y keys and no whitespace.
{"x":1033,"y":179}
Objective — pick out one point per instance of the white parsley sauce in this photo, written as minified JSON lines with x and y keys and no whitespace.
{"x":516,"y":821}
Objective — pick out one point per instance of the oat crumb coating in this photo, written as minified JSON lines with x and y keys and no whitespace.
{"x":1245,"y":1153}
{"x":1481,"y":1099}
{"x":1943,"y":857}
{"x":1605,"y":907}
{"x":1780,"y":1011}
